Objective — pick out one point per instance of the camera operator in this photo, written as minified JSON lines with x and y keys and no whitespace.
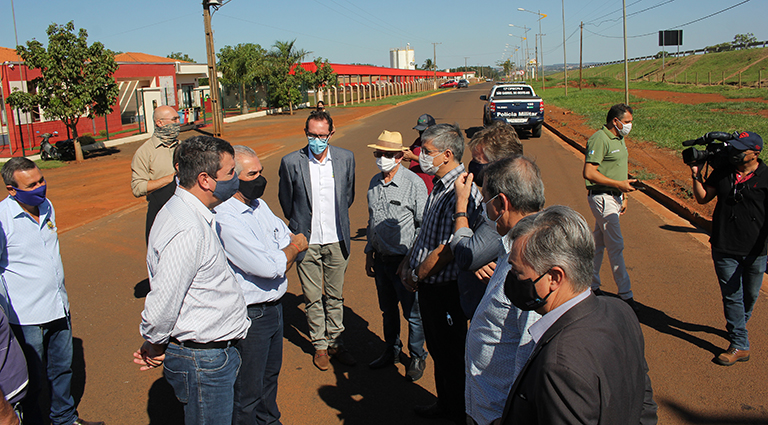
{"x":739,"y":233}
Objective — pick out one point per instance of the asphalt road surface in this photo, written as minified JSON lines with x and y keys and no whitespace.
{"x":668,"y":260}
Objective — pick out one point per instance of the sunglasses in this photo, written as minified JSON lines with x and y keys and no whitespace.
{"x":379,"y":154}
{"x":737,"y":196}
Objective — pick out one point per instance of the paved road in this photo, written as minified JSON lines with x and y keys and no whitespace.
{"x":668,"y":261}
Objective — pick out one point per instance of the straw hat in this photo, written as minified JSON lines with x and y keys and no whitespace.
{"x":389,"y":141}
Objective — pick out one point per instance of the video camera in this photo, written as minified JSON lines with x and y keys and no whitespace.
{"x":717,"y":150}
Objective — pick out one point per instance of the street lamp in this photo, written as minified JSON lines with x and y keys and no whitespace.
{"x":527,"y":52}
{"x":213,"y":77}
{"x":541,"y":40}
{"x":521,"y":42}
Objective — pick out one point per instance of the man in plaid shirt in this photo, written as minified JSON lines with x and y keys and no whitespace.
{"x":430,"y":270}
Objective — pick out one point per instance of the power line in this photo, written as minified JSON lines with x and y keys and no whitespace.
{"x":148,"y":25}
{"x":630,"y":14}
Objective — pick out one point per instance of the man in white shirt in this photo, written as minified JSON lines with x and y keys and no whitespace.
{"x":195,"y":312}
{"x":260,"y":249}
{"x":498,"y":342}
{"x":317,"y":187}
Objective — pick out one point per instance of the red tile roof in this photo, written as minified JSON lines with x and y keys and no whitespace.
{"x":144,"y":58}
{"x":8,"y":55}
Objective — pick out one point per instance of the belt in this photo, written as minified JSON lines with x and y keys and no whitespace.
{"x":207,"y":345}
{"x":265,"y":304}
{"x":593,"y":192}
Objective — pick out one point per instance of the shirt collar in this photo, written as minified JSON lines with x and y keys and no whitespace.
{"x":158,"y":143}
{"x":195,"y":203}
{"x":18,"y":211}
{"x":538,"y":329}
{"x":610,"y":134}
{"x":313,"y":159}
{"x":396,"y":179}
{"x":452,"y":175}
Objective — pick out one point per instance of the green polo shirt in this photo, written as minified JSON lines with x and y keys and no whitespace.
{"x":609,"y":152}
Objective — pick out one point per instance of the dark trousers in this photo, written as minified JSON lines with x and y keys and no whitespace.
{"x":445,"y":329}
{"x":262,"y":357}
{"x":156,"y":200}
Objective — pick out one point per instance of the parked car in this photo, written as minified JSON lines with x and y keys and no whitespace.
{"x":448,"y":84}
{"x":463,"y":83}
{"x":489,"y":80}
{"x":515,"y":104}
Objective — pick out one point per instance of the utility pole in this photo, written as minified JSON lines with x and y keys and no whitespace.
{"x":581,"y":49}
{"x":213,"y":77}
{"x":626,"y":64}
{"x":434,"y":61}
{"x":565,"y":61}
{"x":465,"y":66}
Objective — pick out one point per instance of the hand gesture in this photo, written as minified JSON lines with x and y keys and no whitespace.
{"x":484,"y":273}
{"x":463,"y":188}
{"x":626,"y":185}
{"x":369,"y":264}
{"x":300,"y":241}
{"x":149,"y":356}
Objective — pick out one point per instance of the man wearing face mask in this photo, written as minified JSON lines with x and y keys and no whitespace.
{"x":317,"y":187}
{"x":739,"y":234}
{"x":588,"y":364}
{"x":498,"y":342}
{"x":430,"y":268}
{"x":260,"y":249}
{"x":606,"y":169}
{"x":412,"y":154}
{"x":33,"y":295}
{"x":152,"y":172}
{"x":476,"y":248}
{"x":396,"y":199}
{"x":195,"y":313}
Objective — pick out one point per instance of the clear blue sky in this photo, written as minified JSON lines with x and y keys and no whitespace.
{"x":348,"y":31}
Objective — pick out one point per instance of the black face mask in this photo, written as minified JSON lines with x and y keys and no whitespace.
{"x":522,"y":293}
{"x":477,"y":169}
{"x":253,"y":189}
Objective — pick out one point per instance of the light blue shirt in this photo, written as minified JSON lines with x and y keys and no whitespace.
{"x":539,"y":328}
{"x":32,"y":274}
{"x":254,"y":239}
{"x":498,"y":345}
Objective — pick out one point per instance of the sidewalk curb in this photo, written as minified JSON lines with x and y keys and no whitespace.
{"x":657,"y":194}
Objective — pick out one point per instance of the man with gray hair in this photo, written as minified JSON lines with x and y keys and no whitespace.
{"x":260,"y":249}
{"x":589,"y":362}
{"x":431,"y":270}
{"x":498,"y":342}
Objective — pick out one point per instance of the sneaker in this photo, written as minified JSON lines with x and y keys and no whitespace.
{"x":79,"y":421}
{"x":321,"y":360}
{"x":416,"y":369}
{"x":341,"y":354}
{"x":731,"y":356}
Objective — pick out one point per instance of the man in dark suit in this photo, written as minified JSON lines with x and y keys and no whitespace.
{"x":588,"y":366}
{"x":317,"y":187}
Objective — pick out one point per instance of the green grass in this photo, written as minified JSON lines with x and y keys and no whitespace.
{"x":665,"y":124}
{"x":391,"y":100}
{"x":43,"y":165}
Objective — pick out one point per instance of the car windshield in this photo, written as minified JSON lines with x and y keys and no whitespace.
{"x":513,"y":91}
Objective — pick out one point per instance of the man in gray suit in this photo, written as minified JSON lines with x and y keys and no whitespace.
{"x":317,"y":187}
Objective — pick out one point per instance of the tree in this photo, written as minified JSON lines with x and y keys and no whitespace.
{"x":428,"y":65}
{"x":284,"y":86}
{"x":322,"y":76}
{"x":76,"y":79}
{"x":507,"y":66}
{"x":181,"y":57}
{"x":741,"y":41}
{"x":241,"y":66}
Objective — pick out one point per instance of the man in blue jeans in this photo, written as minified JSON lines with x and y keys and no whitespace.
{"x":260,"y":249}
{"x":33,"y":294}
{"x":195,"y":313}
{"x":739,"y":234}
{"x":396,"y":199}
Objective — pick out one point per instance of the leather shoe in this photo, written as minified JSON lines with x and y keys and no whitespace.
{"x":416,"y":369}
{"x":633,"y":304}
{"x":321,"y":360}
{"x":389,"y":357}
{"x":731,"y":356}
{"x":79,"y":421}
{"x":341,"y":354}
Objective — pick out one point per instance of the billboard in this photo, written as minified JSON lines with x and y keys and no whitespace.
{"x":671,"y":38}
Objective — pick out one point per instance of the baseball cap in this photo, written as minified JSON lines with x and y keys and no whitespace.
{"x":425,"y":120}
{"x":746,"y":141}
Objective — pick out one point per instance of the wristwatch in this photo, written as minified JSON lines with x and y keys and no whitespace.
{"x":414,"y":276}
{"x":459,"y":214}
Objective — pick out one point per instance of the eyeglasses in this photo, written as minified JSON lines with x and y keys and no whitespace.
{"x":379,"y":154}
{"x":428,"y":152}
{"x":485,"y":204}
{"x":737,"y":196}
{"x":323,"y":137}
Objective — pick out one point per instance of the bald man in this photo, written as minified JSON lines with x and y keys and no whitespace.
{"x":152,"y":170}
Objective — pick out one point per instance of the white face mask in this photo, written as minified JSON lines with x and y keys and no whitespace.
{"x":627,"y":127}
{"x":426,"y":163}
{"x":386,"y":164}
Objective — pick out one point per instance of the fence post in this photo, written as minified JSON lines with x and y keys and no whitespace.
{"x":709,"y":77}
{"x":697,"y":78}
{"x":759,"y":77}
{"x":739,"y":79}
{"x":722,"y":78}
{"x":344,"y":94}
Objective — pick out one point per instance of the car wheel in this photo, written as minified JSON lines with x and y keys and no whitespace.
{"x":536,"y":131}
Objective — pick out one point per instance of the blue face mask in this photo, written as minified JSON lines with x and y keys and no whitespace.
{"x":226,"y":188}
{"x":33,"y":197}
{"x":317,"y":145}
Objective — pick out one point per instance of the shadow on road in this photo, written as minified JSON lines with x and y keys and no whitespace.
{"x":141,"y":289}
{"x":681,"y":229}
{"x":162,"y":406}
{"x":295,"y":328}
{"x":691,"y":417}
{"x":663,"y":323}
